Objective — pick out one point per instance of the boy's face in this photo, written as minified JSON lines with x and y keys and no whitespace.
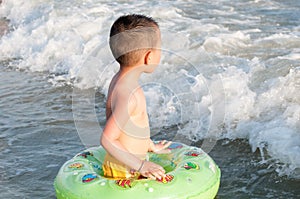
{"x":155,"y":59}
{"x":155,"y":55}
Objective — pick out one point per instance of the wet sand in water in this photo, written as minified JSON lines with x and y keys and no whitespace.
{"x":3,"y":26}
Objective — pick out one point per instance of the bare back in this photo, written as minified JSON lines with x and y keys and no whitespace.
{"x":135,"y":136}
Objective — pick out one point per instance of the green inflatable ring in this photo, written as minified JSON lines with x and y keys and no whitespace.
{"x":191,"y":174}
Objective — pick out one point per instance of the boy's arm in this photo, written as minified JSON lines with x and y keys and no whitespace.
{"x":112,"y":145}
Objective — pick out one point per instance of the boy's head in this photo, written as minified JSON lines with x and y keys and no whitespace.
{"x":131,"y":36}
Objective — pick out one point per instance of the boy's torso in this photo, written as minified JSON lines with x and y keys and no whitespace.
{"x":136,"y":132}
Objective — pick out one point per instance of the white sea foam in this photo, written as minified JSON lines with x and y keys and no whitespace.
{"x":258,"y":66}
{"x":224,"y":43}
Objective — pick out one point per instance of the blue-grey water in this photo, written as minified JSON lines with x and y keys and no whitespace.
{"x":242,"y":57}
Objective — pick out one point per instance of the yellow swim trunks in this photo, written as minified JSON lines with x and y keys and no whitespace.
{"x":114,"y":169}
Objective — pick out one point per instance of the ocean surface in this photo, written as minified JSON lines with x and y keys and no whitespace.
{"x":228,"y":82}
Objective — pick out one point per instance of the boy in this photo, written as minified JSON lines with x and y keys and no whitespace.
{"x":134,"y":42}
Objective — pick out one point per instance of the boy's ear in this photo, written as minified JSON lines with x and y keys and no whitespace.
{"x":147,"y":58}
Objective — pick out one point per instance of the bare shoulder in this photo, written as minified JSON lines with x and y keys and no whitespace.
{"x":122,"y":95}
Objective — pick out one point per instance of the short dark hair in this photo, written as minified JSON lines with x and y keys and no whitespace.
{"x":131,"y":35}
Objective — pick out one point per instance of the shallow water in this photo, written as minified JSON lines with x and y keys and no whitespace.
{"x":245,"y":176}
{"x":229,"y":73}
{"x":37,"y":134}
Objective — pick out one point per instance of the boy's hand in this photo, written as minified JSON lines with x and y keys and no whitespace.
{"x":152,"y":170}
{"x":161,"y":147}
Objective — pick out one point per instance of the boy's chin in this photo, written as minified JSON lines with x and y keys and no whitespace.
{"x":150,"y":69}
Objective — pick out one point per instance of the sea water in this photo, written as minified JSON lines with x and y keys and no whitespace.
{"x":228,"y":81}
